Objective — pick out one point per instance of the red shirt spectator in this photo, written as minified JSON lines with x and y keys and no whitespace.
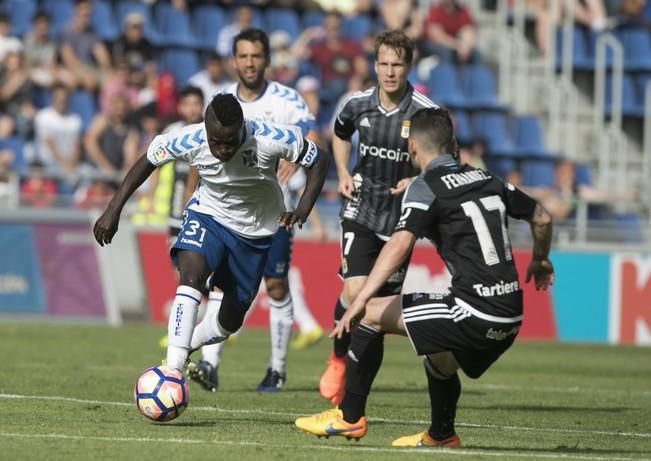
{"x":452,"y":17}
{"x":336,"y":63}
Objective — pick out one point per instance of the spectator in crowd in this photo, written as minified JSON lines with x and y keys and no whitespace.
{"x":133,"y":48}
{"x":95,"y":194}
{"x":41,"y":56}
{"x":7,"y":42}
{"x":450,"y":32}
{"x":346,"y":7}
{"x":403,"y":15}
{"x":38,"y":191}
{"x":82,"y":52}
{"x":58,"y":135}
{"x":339,"y":59}
{"x":16,"y":93}
{"x":308,"y":87}
{"x":243,"y":20}
{"x":588,"y":13}
{"x":283,"y":66}
{"x":211,"y":79}
{"x":631,"y":12}
{"x":107,"y":136}
{"x":120,"y":81}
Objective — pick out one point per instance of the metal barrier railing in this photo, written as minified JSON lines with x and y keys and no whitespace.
{"x":609,"y":131}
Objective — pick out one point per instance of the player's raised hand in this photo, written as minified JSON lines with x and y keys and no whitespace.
{"x":285,"y":171}
{"x":542,"y":272}
{"x":289,"y":218}
{"x":401,"y":186}
{"x":106,"y":226}
{"x":350,"y":319}
{"x":346,"y":186}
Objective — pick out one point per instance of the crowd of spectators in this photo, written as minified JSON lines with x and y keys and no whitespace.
{"x":77,"y":109}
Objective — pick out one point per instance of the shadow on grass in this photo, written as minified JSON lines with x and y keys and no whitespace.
{"x":188,"y":424}
{"x":558,"y":408}
{"x":564,"y":449}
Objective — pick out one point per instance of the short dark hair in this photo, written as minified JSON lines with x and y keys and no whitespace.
{"x":253,"y":35}
{"x":191,"y":91}
{"x":434,"y":126}
{"x":41,"y":15}
{"x":227,"y":109}
{"x":398,"y":40}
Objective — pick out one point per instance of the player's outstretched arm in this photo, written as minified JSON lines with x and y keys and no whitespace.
{"x":341,"y":152}
{"x":315,"y":178}
{"x":107,"y":224}
{"x":541,"y":268}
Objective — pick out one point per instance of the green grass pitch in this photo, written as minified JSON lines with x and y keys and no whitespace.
{"x":66,"y":393}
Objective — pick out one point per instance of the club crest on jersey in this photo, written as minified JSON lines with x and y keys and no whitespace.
{"x":344,"y":266}
{"x":160,"y":154}
{"x":250,"y":158}
{"x":404,"y":132}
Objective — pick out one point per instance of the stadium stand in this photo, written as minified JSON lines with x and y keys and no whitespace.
{"x":184,"y":33}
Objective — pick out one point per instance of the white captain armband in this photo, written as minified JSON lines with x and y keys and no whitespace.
{"x":309,"y":154}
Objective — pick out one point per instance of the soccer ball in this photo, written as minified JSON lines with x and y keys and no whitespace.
{"x":161,"y":394}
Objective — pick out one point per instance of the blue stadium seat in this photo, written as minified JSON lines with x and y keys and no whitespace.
{"x":478,"y":83}
{"x":356,"y":27}
{"x":83,"y":103}
{"x":582,"y":49}
{"x":20,"y":14}
{"x":637,"y":48}
{"x":207,"y":20}
{"x":538,"y":173}
{"x":492,"y":128}
{"x":462,"y":129}
{"x":443,"y":86}
{"x":582,"y":175}
{"x":61,"y":12}
{"x":629,"y":227}
{"x":283,"y":19}
{"x":631,"y":105}
{"x":181,"y":63}
{"x":174,"y":26}
{"x":500,"y":166}
{"x":528,"y":136}
{"x":103,"y":20}
{"x":40,"y":97}
{"x":124,"y":7}
{"x":312,"y":18}
{"x":16,"y":145}
{"x":647,"y":11}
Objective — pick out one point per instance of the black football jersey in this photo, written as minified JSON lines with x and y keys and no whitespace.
{"x":382,"y":157}
{"x":464,"y":211}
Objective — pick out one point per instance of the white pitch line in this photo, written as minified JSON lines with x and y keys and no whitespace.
{"x":294,"y":415}
{"x":350,"y":449}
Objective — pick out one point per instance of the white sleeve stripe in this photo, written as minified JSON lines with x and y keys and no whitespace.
{"x":418,"y":205}
{"x":422,"y":100}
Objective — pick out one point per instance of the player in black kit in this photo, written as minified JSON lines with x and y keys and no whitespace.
{"x":372,"y":193}
{"x":463,"y":211}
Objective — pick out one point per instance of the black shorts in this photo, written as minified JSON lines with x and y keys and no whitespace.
{"x":437,"y":322}
{"x":360,"y":247}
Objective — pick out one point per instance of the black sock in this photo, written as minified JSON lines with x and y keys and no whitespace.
{"x":443,"y":395}
{"x":367,"y":346}
{"x":341,"y":344}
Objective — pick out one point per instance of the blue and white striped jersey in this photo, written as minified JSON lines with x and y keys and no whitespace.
{"x":242,"y":194}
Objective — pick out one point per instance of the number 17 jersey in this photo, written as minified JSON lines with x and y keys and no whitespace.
{"x":463,"y":210}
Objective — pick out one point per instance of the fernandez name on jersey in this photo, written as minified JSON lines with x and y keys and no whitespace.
{"x":463,"y":210}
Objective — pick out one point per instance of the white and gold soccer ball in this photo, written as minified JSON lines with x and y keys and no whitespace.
{"x":161,"y":394}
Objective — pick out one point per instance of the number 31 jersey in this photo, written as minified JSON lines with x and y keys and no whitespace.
{"x":463,"y":211}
